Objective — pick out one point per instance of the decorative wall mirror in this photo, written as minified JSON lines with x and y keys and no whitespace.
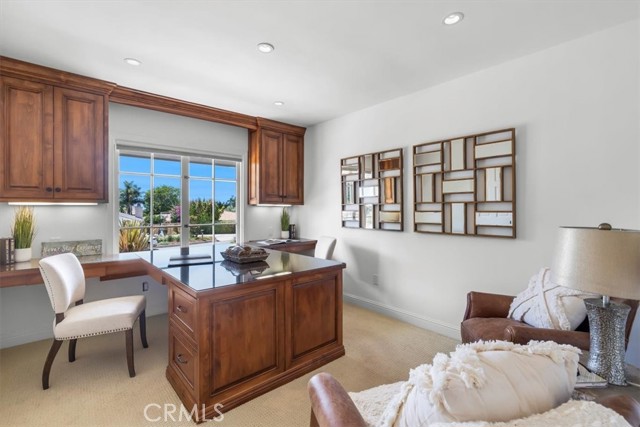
{"x":372,"y":191}
{"x":466,"y":185}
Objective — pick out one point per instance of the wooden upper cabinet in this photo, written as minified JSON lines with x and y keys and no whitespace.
{"x":53,"y":135}
{"x":26,"y":142}
{"x":79,"y":145}
{"x":276,"y":164}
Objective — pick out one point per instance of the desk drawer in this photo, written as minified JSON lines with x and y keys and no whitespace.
{"x":183,"y":310}
{"x":183,"y":357}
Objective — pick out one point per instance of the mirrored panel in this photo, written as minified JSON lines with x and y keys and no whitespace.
{"x":389,"y":190}
{"x":472,"y":190}
{"x":349,"y":193}
{"x":429,"y":217}
{"x":389,"y":216}
{"x":493,"y":150}
{"x":494,"y":218}
{"x":458,"y":221}
{"x":493,"y":190}
{"x":368,"y":166}
{"x":368,"y":216}
{"x":458,"y":186}
{"x":427,"y":158}
{"x":457,"y":154}
{"x":372,"y":184}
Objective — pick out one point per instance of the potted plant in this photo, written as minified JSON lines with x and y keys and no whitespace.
{"x":284,"y":223}
{"x":23,"y":230}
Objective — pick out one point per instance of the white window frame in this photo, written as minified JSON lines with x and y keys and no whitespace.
{"x":132,"y":145}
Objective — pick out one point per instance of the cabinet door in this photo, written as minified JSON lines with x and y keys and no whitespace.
{"x":315,"y":323}
{"x":245,"y":339}
{"x":270,"y":165}
{"x":292,"y":170}
{"x":79,"y":146}
{"x":26,"y":142}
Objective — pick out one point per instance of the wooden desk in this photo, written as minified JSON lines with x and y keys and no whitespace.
{"x":297,"y":246}
{"x":235,"y":331}
{"x":105,"y":267}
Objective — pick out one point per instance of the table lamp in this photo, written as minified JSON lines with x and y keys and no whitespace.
{"x":603,"y":261}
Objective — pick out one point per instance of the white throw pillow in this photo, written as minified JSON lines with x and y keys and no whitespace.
{"x":486,"y":381}
{"x":547,"y":305}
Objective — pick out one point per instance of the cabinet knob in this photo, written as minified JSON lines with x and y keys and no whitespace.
{"x":181,"y":309}
{"x":179,"y":359}
{"x":49,"y":189}
{"x":58,"y":189}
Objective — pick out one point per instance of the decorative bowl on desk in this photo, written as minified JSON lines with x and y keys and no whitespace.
{"x":244,"y":254}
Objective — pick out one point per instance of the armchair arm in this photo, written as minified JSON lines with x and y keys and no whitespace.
{"x":524,"y":334}
{"x":331,"y":406}
{"x":481,"y":304}
{"x":625,"y":405}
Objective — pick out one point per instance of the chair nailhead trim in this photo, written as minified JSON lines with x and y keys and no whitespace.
{"x":94,"y":334}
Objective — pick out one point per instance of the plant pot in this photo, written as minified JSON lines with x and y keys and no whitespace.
{"x":22,"y":255}
{"x":284,"y":234}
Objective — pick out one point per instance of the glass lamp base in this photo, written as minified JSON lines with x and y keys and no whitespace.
{"x":607,"y":324}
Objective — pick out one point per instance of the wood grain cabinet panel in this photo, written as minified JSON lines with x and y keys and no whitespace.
{"x":292,"y":170}
{"x":26,"y":143}
{"x":53,"y":137}
{"x":80,"y":146}
{"x":313,"y":317}
{"x":245,"y":338}
{"x":253,"y":337}
{"x":276,"y":169}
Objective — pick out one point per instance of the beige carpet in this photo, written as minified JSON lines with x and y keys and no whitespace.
{"x":96,"y":390}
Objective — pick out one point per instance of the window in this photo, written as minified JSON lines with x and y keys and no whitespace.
{"x":171,"y":200}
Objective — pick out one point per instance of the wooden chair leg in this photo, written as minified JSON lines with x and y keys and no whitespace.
{"x":143,"y":329}
{"x":129,"y":339}
{"x":72,"y":350}
{"x":47,"y":364}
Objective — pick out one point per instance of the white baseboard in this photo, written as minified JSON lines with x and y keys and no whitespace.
{"x":19,"y":339}
{"x":438,"y":327}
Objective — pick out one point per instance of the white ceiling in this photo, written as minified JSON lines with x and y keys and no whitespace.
{"x":331,"y":57}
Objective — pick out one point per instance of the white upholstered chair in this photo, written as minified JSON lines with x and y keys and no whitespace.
{"x":64,"y":279}
{"x":325,"y":247}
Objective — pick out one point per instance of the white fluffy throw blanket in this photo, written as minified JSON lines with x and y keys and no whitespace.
{"x":430,"y":386}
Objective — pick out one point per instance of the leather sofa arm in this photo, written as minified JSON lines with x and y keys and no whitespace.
{"x":625,"y":405}
{"x":481,"y":304}
{"x":524,"y":334}
{"x":331,"y":406}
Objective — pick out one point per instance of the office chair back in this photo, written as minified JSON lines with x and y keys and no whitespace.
{"x":325,"y":247}
{"x":64,"y":280}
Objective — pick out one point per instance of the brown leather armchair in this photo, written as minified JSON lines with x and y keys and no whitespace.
{"x":486,"y":319}
{"x":331,"y":406}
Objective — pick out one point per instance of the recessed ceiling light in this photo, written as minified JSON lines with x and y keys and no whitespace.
{"x":278,"y":103}
{"x":132,"y":61}
{"x":265,"y":47}
{"x":453,"y":18}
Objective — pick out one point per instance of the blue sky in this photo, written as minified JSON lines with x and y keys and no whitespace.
{"x":200,"y":184}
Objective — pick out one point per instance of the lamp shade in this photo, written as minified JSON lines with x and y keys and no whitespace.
{"x":606,"y":262}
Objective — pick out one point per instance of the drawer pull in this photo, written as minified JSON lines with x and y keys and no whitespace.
{"x":179,"y":359}
{"x":49,"y":189}
{"x":181,"y":309}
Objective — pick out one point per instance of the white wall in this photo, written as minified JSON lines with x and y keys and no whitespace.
{"x":25,"y":312}
{"x":576,"y":110}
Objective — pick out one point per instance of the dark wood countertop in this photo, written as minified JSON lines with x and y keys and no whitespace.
{"x":198,"y":277}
